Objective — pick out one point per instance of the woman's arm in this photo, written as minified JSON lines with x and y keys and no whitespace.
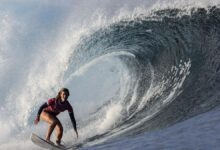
{"x":39,"y":112}
{"x":71,"y":114}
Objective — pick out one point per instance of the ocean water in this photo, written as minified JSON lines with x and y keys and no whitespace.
{"x":142,"y":74}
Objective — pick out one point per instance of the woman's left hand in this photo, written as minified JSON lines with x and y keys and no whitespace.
{"x":77,"y":134}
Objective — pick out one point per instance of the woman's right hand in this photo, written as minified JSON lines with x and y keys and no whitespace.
{"x":36,"y":120}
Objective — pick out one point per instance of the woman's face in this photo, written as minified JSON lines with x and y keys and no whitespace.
{"x":64,"y":96}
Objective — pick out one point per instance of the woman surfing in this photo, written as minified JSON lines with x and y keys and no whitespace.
{"x":49,"y":110}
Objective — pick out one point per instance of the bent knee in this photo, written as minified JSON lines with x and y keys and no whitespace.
{"x":59,"y":126}
{"x":49,"y":118}
{"x":55,"y":122}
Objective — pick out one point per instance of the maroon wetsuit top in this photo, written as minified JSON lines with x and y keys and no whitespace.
{"x":55,"y":106}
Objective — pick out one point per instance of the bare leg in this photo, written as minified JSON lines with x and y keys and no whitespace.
{"x":59,"y":131}
{"x":52,"y":121}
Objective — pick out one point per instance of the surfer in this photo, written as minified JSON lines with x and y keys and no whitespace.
{"x":49,"y":110}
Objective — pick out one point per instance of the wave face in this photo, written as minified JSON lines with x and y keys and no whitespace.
{"x":172,"y":66}
{"x":129,"y":76}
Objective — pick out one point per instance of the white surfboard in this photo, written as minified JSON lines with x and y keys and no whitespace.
{"x":46,"y":145}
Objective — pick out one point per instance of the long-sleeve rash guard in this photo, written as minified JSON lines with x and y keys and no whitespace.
{"x":54,"y":106}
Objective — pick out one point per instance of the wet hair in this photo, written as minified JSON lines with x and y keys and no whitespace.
{"x":62,"y":90}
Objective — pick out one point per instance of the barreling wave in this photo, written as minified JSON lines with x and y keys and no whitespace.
{"x":171,"y":68}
